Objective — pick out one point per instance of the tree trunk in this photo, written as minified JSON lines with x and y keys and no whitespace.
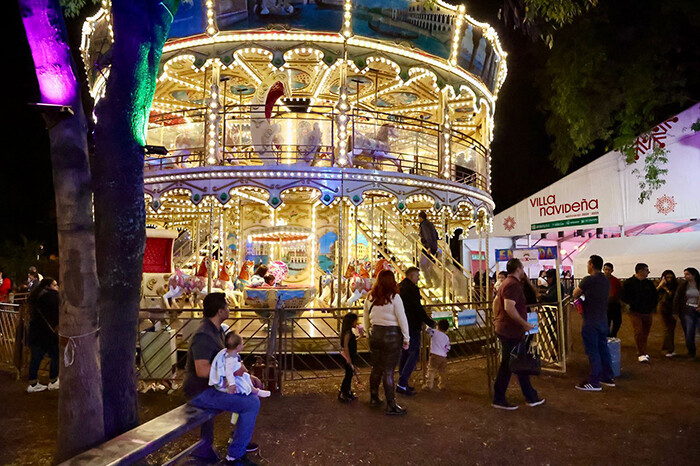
{"x":80,"y":419}
{"x":140,"y":30}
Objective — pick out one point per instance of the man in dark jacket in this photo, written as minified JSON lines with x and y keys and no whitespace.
{"x":416,"y":316}
{"x":428,"y":233}
{"x":640,"y":295}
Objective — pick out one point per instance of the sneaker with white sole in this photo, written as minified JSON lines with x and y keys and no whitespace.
{"x":37,"y":387}
{"x":532,"y":404}
{"x":644,"y":358}
{"x":608,"y":382}
{"x":507,"y":406}
{"x":264,"y":393}
{"x":54,"y":385}
{"x":588,"y":387}
{"x":671,"y":355}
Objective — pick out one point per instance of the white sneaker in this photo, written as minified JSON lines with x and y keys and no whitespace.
{"x":671,"y":355}
{"x":264,"y":393}
{"x":643,"y":358}
{"x":53,"y":385}
{"x":37,"y":387}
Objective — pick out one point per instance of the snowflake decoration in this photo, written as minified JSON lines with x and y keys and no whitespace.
{"x":665,"y":204}
{"x":509,"y":223}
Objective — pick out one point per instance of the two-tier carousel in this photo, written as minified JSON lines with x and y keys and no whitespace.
{"x":306,"y":137}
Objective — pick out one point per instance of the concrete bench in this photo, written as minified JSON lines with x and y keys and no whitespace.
{"x":146,"y":439}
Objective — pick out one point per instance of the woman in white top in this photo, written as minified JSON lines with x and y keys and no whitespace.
{"x":687,"y":305}
{"x":388,"y":333}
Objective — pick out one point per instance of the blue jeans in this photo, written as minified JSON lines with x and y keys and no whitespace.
{"x":689,"y":321}
{"x":409,"y":358}
{"x":595,"y":341}
{"x":247,"y":407}
{"x":38,"y":352}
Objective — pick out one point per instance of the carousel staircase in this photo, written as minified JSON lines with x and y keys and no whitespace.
{"x":449,"y":281}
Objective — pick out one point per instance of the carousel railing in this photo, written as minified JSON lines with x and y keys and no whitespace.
{"x":287,"y":345}
{"x":377,"y":140}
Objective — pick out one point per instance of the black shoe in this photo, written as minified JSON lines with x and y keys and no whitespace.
{"x":588,"y":387}
{"x":410,"y":389}
{"x":375,"y":403}
{"x":504,"y":405}
{"x":608,"y":382}
{"x":342,"y":397}
{"x":242,"y":461}
{"x":252,"y":447}
{"x":404,"y":391}
{"x":393,"y":409}
{"x":350,"y":396}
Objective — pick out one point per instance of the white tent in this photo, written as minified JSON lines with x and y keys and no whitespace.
{"x":675,"y":251}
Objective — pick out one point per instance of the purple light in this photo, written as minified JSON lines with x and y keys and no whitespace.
{"x":45,"y":28}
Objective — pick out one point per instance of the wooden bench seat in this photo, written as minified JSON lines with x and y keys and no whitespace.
{"x":146,"y":439}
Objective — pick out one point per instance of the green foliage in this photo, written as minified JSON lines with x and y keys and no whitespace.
{"x":17,"y":257}
{"x":612,"y":75}
{"x":540,"y":19}
{"x":71,"y":8}
{"x":651,"y":175}
{"x":696,"y":126}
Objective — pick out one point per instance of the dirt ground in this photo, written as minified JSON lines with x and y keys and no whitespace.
{"x":651,"y":417}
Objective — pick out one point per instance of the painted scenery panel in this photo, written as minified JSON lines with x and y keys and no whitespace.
{"x":309,"y":15}
{"x":189,"y":20}
{"x":477,"y":55}
{"x":424,"y":24}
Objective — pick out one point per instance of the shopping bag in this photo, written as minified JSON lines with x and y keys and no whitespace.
{"x":525,"y":358}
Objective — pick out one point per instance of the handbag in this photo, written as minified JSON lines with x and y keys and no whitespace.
{"x":525,"y":358}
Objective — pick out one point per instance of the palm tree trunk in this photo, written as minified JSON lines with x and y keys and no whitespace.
{"x":80,"y":419}
{"x":140,"y":29}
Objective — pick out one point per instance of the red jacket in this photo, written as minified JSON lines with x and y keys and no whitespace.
{"x":5,"y":288}
{"x":615,"y":289}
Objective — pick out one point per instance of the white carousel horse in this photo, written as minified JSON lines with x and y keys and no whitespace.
{"x":276,"y":7}
{"x":378,"y":148}
{"x":309,"y":142}
{"x":326,"y":287}
{"x":360,"y":287}
{"x":263,"y":133}
{"x":176,"y":288}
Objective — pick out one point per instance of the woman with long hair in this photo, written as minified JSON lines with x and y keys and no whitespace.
{"x":43,"y":333}
{"x":389,"y":328}
{"x":348,"y":345}
{"x":687,"y":306}
{"x":667,"y":291}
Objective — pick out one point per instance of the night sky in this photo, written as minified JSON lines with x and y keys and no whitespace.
{"x":519,"y":150}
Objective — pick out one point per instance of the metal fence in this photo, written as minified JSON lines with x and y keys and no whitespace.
{"x":288,"y":345}
{"x":10,"y":339}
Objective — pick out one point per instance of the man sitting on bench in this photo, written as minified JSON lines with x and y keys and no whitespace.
{"x":206,"y":342}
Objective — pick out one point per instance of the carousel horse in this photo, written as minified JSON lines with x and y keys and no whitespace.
{"x":275,"y":7}
{"x":176,"y":288}
{"x":377,"y":149}
{"x":309,"y":142}
{"x":382,"y":264}
{"x":263,"y":133}
{"x":326,"y":285}
{"x":360,"y":287}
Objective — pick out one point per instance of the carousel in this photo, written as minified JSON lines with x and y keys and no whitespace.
{"x":292,"y":144}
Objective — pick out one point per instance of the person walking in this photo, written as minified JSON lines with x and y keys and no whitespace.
{"x":428,"y":233}
{"x":511,"y":324}
{"x":348,"y":345}
{"x":42,"y":337}
{"x":207,"y":341}
{"x":389,"y":328}
{"x":668,"y":285}
{"x":596,"y":289}
{"x":640,"y":295}
{"x":687,"y":305}
{"x":614,"y":304}
{"x":416,"y":316}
